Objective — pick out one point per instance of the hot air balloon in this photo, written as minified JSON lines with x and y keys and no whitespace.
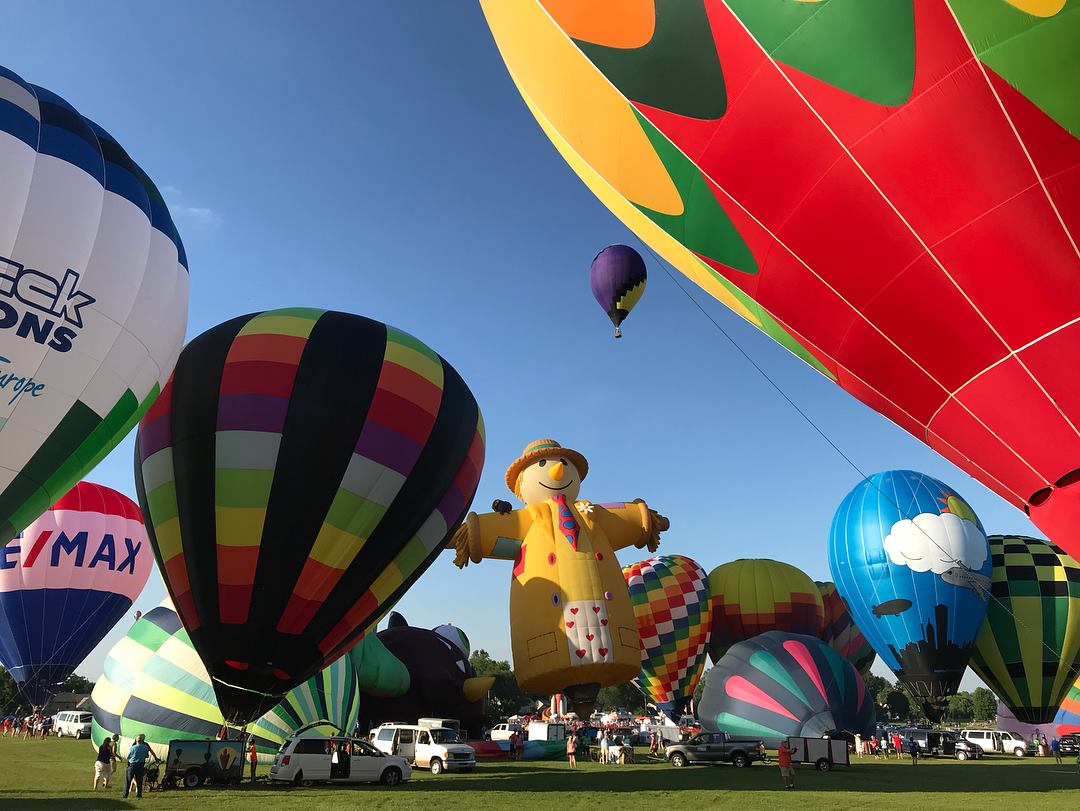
{"x":805,"y":164}
{"x":670,"y":594}
{"x":840,"y":632}
{"x":1067,"y":719}
{"x":300,"y":470}
{"x":779,"y":684}
{"x":65,"y":581}
{"x":1028,"y":651}
{"x":93,"y":297}
{"x":154,"y":684}
{"x":751,"y":596}
{"x":910,"y":558}
{"x":617,"y":277}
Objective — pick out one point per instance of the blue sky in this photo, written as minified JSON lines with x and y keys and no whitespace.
{"x":376,"y":158}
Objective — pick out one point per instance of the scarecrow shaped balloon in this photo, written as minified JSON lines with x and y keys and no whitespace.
{"x":572,"y":625}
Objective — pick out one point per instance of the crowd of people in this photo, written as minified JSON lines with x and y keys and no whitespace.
{"x":34,"y":725}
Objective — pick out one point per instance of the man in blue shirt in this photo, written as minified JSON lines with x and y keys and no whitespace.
{"x":136,"y":768}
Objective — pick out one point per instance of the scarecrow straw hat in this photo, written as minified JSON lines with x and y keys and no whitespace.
{"x":543,"y":449}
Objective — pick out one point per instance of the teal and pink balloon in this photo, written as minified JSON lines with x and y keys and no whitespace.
{"x":93,"y":297}
{"x":617,"y":277}
{"x":65,"y":581}
{"x":912,"y":562}
{"x":778,"y":684}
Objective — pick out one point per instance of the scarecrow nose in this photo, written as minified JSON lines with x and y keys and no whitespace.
{"x":556,"y":471}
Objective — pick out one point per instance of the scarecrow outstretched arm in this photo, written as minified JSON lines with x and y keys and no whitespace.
{"x":630,"y":524}
{"x":491,"y":535}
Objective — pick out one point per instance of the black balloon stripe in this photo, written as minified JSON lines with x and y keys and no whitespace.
{"x":434,"y":472}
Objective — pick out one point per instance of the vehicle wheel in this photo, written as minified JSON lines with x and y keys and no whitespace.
{"x":307,"y":783}
{"x":823,"y":765}
{"x":1018,"y":751}
{"x":436,"y":766}
{"x":391,"y":776}
{"x":678,"y":760}
{"x":59,"y":734}
{"x":192,"y":779}
{"x":740,"y":761}
{"x":297,"y":778}
{"x":961,"y":756}
{"x":78,"y":735}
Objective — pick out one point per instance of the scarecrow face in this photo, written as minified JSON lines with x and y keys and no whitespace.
{"x":549,"y":477}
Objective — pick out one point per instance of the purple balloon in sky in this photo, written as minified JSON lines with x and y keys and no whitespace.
{"x":617,"y":278}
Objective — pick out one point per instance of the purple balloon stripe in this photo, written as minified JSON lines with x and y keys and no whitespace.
{"x":153,"y":436}
{"x":387,"y":447}
{"x":252,"y":412}
{"x":452,"y":504}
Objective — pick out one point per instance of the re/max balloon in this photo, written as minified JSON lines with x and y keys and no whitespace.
{"x":670,"y":594}
{"x":912,"y":237}
{"x":65,"y":581}
{"x":780,"y":684}
{"x":155,"y":685}
{"x":911,"y":560}
{"x":752,"y":596}
{"x":1028,"y":650}
{"x":617,"y":278}
{"x":300,"y":470}
{"x":93,"y":297}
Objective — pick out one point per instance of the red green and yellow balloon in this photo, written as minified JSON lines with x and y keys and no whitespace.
{"x":826,"y":169}
{"x":1028,"y":649}
{"x":840,"y":632}
{"x":752,"y":596}
{"x":670,"y":595}
{"x":301,"y":469}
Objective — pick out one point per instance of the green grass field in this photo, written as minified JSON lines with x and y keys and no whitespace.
{"x":58,"y":774}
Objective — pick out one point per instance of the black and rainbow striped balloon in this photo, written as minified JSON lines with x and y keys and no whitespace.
{"x":299,"y":471}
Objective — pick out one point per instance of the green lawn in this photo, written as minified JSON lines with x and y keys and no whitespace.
{"x":58,"y":773}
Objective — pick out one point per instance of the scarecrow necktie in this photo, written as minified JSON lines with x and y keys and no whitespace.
{"x":567,"y":525}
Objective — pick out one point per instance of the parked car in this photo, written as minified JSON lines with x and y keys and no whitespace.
{"x":1070,"y":744}
{"x":966,"y":750}
{"x":716,"y":747}
{"x":439,"y":750}
{"x":1000,"y":740}
{"x":73,"y":723}
{"x":502,"y":732}
{"x":318,"y":759}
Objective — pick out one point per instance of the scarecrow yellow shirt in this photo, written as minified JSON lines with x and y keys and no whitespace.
{"x":571,"y":620}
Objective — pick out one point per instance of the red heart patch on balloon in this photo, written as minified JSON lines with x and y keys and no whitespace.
{"x":570,"y":624}
{"x":596,"y":608}
{"x":603,"y":622}
{"x":573,"y":610}
{"x":589,"y":637}
{"x":580,"y":654}
{"x":603,"y":651}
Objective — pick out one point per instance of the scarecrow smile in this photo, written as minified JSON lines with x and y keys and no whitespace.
{"x":558,"y":488}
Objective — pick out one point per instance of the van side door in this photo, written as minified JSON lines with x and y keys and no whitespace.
{"x":406,"y":745}
{"x":423,"y":749}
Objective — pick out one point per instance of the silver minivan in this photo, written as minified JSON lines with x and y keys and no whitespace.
{"x":999,"y":740}
{"x":73,"y":723}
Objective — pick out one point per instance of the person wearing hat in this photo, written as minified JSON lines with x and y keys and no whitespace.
{"x":572,"y":626}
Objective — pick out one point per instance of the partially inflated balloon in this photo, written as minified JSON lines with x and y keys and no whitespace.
{"x":670,"y":594}
{"x":300,"y":470}
{"x":65,"y":582}
{"x":810,"y":165}
{"x":779,"y":684}
{"x":93,"y":297}
{"x":154,"y":684}
{"x":840,"y":631}
{"x":752,"y":596}
{"x":1028,"y":651}
{"x":1067,"y":719}
{"x":910,"y":558}
{"x":617,"y":278}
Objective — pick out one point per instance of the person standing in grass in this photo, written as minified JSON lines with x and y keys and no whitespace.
{"x":136,"y":768}
{"x":913,"y":750}
{"x":253,"y":757}
{"x":103,"y":766}
{"x":1055,"y":747}
{"x":571,"y":750}
{"x":605,"y":745}
{"x":858,"y":744}
{"x":783,"y":759}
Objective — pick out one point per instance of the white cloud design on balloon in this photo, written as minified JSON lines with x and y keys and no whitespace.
{"x":936,"y":543}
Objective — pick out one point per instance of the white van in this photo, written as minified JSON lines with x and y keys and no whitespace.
{"x":304,"y":761}
{"x":435,"y":749}
{"x":73,"y":723}
{"x":999,"y":740}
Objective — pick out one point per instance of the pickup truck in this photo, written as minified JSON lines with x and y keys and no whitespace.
{"x":716,"y":747}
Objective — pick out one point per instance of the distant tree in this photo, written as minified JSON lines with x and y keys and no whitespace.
{"x":984,"y":704}
{"x":620,"y":697}
{"x":76,"y":684}
{"x":876,"y":684}
{"x":8,"y":693}
{"x":896,"y":702}
{"x":961,"y":707}
{"x":505,"y":697}
{"x":700,"y":689}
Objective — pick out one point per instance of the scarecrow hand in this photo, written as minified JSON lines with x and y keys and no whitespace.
{"x":461,"y":546}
